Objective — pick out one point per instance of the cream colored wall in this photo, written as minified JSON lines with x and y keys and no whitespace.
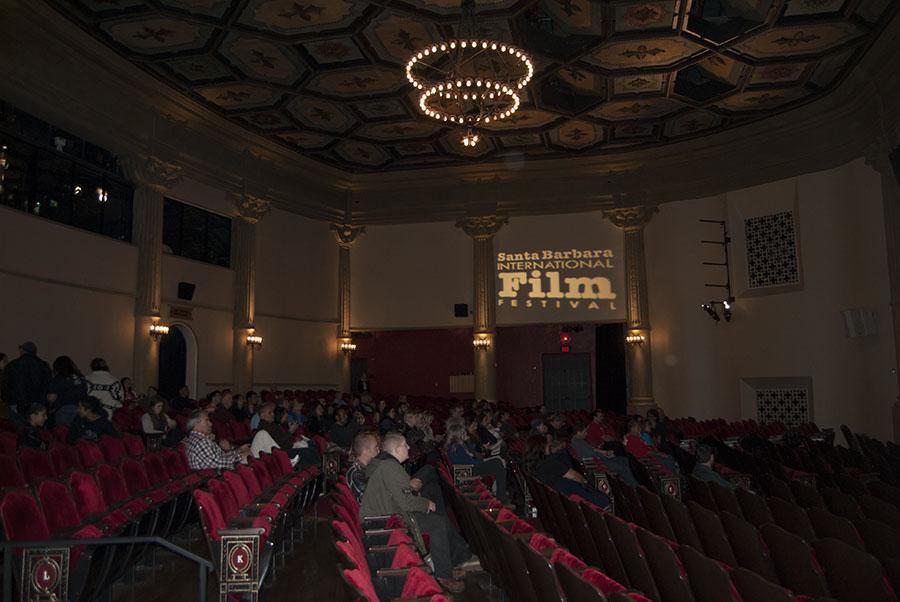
{"x":69,"y":291}
{"x":410,"y":276}
{"x":697,"y":364}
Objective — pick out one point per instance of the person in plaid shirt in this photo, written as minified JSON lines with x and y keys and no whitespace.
{"x":202,"y":450}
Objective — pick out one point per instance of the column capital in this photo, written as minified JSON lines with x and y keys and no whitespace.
{"x":150,"y":172}
{"x":250,"y":208}
{"x":346,"y":234}
{"x":630,"y":218}
{"x":482,"y":227}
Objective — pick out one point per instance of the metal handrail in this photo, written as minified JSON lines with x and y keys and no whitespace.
{"x":205,"y":566}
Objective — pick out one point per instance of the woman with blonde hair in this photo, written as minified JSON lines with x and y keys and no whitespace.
{"x":460,"y":450}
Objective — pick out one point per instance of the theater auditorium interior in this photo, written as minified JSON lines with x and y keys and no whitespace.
{"x":450,"y":300}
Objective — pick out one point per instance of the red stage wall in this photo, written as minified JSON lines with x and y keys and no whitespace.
{"x":420,"y":362}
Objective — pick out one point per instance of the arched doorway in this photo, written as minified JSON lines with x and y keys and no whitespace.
{"x":177,"y":361}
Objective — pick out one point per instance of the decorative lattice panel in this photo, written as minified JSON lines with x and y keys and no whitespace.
{"x":772,"y":250}
{"x":789,"y":405}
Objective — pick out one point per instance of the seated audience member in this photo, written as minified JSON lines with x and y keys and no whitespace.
{"x":558,"y":429}
{"x":551,"y":464}
{"x":30,"y":434}
{"x":222,"y":413}
{"x":202,"y":450}
{"x":129,"y":395}
{"x":538,"y":427}
{"x":239,"y":408}
{"x":617,"y":464}
{"x":104,"y":386}
{"x":704,"y":470}
{"x":366,"y":445}
{"x":460,"y":450}
{"x":182,"y":402}
{"x":296,"y":415}
{"x":155,"y":422}
{"x":343,"y":430}
{"x":91,"y":422}
{"x":486,"y":433}
{"x":25,"y":381}
{"x":65,"y":390}
{"x":389,"y":422}
{"x":274,"y":429}
{"x":388,"y":492}
{"x":318,"y":423}
{"x":455,"y":417}
{"x":637,"y":446}
{"x":660,"y":426}
{"x":599,"y":434}
{"x":507,"y":430}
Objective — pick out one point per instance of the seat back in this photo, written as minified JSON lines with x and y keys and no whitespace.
{"x":90,"y":453}
{"x":748,"y":546}
{"x":880,"y":510}
{"x":113,"y":448}
{"x":211,"y":517}
{"x":881,"y":541}
{"x":831,"y":525}
{"x":21,"y":517}
{"x":712,"y":534}
{"x":612,"y":562}
{"x":136,"y":478}
{"x":8,"y":444}
{"x":754,"y":508}
{"x":10,"y":474}
{"x":543,"y":578}
{"x":262,"y":472}
{"x":112,"y":484}
{"x":682,"y":524}
{"x":698,"y":491}
{"x":59,"y":506}
{"x":134,"y":445}
{"x":156,"y":470}
{"x":575,"y":588}
{"x":87,"y":494}
{"x":842,"y":504}
{"x":806,"y":496}
{"x":250,"y":480}
{"x":64,"y":458}
{"x":656,"y":514}
{"x":666,"y":568}
{"x":586,"y":545}
{"x":852,"y":575}
{"x":227,"y":502}
{"x":35,"y":464}
{"x":639,"y":573}
{"x":238,"y":487}
{"x":794,"y":562}
{"x":754,"y":588}
{"x":725,"y":499}
{"x":709,"y":581}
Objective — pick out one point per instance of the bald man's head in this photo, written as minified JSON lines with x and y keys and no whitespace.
{"x":395,"y":444}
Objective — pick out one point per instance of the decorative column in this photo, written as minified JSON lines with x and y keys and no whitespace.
{"x":484,"y":328}
{"x":345,"y":235}
{"x":151,"y":177}
{"x":250,"y":210}
{"x":878,"y":158}
{"x":632,"y":221}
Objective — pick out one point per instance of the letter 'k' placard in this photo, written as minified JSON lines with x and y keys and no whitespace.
{"x":239,"y":564}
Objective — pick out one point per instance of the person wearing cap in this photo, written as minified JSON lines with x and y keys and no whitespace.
{"x":25,"y":379}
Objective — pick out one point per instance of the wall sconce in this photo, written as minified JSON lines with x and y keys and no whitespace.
{"x":348,"y":346}
{"x":158,"y":330}
{"x":634,"y":338}
{"x":254,"y":341}
{"x":481,"y":343}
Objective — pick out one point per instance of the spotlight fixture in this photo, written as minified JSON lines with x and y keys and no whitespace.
{"x":158,"y":330}
{"x":254,"y":341}
{"x":481,"y":343}
{"x":348,"y":346}
{"x":634,"y":338}
{"x":727,"y":309}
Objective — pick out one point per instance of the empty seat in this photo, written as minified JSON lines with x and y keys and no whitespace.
{"x":698,"y":491}
{"x":806,"y":496}
{"x":612,"y":562}
{"x":639,"y":573}
{"x":792,"y":517}
{"x":881,"y":541}
{"x":794,"y":562}
{"x":10,"y":474}
{"x":665,"y":566}
{"x":543,"y":578}
{"x":725,"y":499}
{"x":754,"y":588}
{"x":831,"y":525}
{"x":682,"y":524}
{"x":575,"y":588}
{"x":35,"y":464}
{"x":64,"y":458}
{"x":880,"y":510}
{"x":754,"y":507}
{"x":712,"y":534}
{"x":748,"y":547}
{"x":853,"y":576}
{"x":842,"y":504}
{"x":656,"y":514}
{"x":709,"y":581}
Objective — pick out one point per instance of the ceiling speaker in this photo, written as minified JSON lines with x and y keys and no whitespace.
{"x":461,"y":310}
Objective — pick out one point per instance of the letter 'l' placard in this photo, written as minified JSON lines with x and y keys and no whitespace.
{"x":45,"y":575}
{"x":239,"y":564}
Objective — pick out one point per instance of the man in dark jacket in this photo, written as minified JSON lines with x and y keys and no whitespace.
{"x":31,"y":435}
{"x":704,"y":471}
{"x":25,"y":379}
{"x":91,"y":423}
{"x":388,"y":492}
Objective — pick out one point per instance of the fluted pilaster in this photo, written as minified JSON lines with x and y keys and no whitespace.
{"x":482,"y":230}
{"x":632,"y":221}
{"x":250,"y":210}
{"x":345,"y":235}
{"x":151,"y":177}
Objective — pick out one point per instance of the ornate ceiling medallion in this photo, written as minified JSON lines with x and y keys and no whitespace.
{"x":469,"y":80}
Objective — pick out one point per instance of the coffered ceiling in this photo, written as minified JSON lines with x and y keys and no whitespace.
{"x":325,"y":77}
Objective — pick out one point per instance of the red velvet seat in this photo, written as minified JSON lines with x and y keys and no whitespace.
{"x":64,"y":458}
{"x":255,"y":488}
{"x":231,"y":510}
{"x":134,"y":445}
{"x":90,"y":503}
{"x":8,"y":443}
{"x":244,"y":498}
{"x":212,"y":518}
{"x":115,"y":491}
{"x":138,"y":482}
{"x":90,"y":453}
{"x":113,"y":449}
{"x":35,"y":465}
{"x":10,"y":474}
{"x":60,"y":509}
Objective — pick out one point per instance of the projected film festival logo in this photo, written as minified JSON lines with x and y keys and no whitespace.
{"x":556,"y":280}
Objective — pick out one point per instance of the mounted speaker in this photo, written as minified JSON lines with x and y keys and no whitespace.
{"x":860,"y":322}
{"x":186,"y":290}
{"x":461,"y":310}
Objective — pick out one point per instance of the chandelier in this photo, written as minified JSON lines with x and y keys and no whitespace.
{"x":469,"y":80}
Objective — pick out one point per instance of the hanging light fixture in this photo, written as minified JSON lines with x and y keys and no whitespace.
{"x":469,"y":80}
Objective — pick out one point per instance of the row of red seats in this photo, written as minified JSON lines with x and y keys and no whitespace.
{"x":399,"y":569}
{"x":266,"y":494}
{"x":530,"y":565}
{"x":147,"y":496}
